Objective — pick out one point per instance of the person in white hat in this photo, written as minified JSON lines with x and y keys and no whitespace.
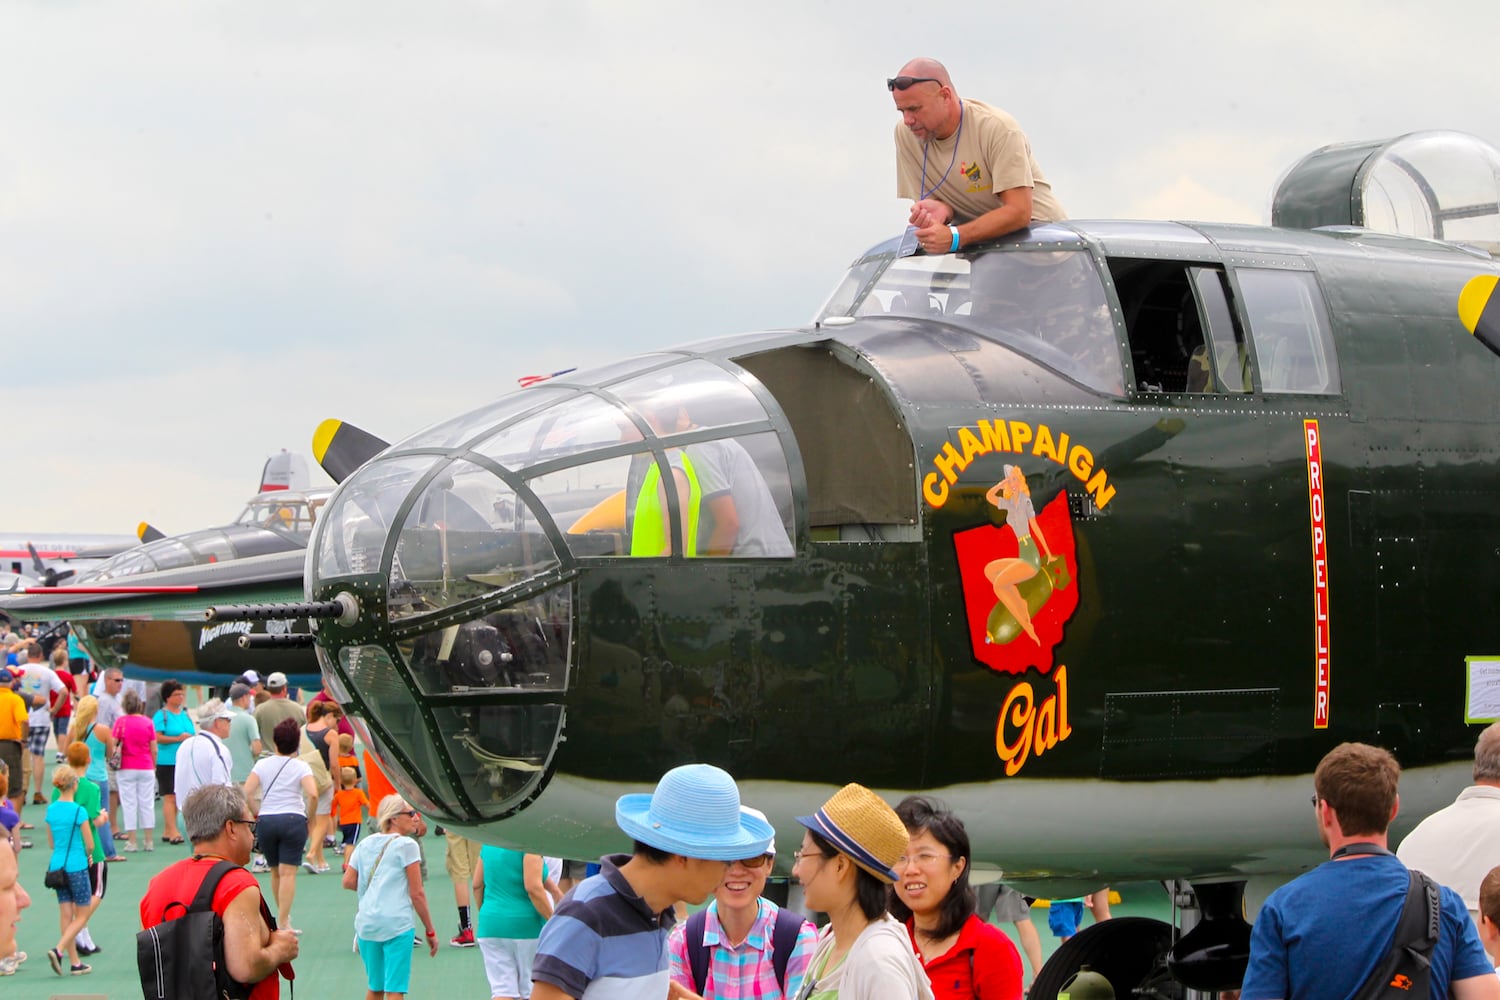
{"x":203,"y":758}
{"x":686,"y":833}
{"x":276,"y":709}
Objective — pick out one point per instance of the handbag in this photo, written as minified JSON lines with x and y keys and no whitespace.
{"x":57,"y":878}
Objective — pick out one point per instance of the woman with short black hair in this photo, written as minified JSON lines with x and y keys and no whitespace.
{"x":282,"y":792}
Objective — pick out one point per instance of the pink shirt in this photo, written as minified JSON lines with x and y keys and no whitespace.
{"x":136,"y":734}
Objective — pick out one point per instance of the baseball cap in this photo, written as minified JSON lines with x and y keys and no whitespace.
{"x":238,"y":690}
{"x":222,"y":713}
{"x":250,"y":678}
{"x":276,"y":681}
{"x":6,"y":676}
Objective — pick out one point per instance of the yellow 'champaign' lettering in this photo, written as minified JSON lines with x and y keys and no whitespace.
{"x":987,"y":437}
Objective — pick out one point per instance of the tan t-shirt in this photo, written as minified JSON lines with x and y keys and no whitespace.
{"x":993,"y":155}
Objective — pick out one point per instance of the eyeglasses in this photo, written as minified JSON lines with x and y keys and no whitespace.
{"x":904,"y":82}
{"x":759,"y":861}
{"x":1315,"y":800}
{"x":409,"y":812}
{"x":247,"y":822}
{"x":799,"y":855}
{"x":924,"y":860}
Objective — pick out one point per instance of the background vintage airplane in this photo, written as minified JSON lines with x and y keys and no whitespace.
{"x":1104,"y":533}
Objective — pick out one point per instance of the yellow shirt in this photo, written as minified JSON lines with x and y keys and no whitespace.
{"x":13,"y":715}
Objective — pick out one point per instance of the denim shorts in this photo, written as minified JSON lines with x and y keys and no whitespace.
{"x":79,"y":891}
{"x":283,"y":837}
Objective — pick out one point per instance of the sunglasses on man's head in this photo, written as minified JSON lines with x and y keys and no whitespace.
{"x":903,"y":82}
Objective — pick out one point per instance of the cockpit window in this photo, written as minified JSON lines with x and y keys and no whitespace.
{"x":355,"y":527}
{"x":583,"y":423}
{"x":462,"y":539}
{"x":451,"y":433}
{"x":1049,"y":305}
{"x":694,"y":394}
{"x":1289,"y":326}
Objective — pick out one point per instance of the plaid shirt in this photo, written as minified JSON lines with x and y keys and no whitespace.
{"x":744,"y":972}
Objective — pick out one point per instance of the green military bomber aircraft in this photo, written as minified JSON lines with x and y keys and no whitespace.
{"x":1104,"y":533}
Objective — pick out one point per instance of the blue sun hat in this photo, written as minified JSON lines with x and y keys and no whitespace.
{"x":695,"y":813}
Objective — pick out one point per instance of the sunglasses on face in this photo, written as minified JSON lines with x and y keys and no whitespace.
{"x":904,"y":82}
{"x":759,"y":861}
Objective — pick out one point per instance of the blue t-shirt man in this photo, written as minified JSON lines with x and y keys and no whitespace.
{"x":1321,"y":935}
{"x":604,"y":942}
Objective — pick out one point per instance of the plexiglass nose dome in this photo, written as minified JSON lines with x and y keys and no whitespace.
{"x":464,"y":545}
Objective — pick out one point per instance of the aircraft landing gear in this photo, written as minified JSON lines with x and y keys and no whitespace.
{"x":1131,"y":952}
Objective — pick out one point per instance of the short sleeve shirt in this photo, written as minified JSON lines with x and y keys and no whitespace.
{"x":384,"y":895}
{"x":603,"y":942}
{"x":967,"y":171}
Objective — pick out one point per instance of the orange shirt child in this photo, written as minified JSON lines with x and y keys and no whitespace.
{"x":349,"y":805}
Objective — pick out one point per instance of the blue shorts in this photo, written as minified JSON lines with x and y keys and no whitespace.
{"x":387,"y":963}
{"x":1063,"y":916}
{"x":283,"y":837}
{"x":80,"y":891}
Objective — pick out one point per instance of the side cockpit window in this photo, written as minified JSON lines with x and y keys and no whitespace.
{"x":1182,"y":331}
{"x":1290,"y":329}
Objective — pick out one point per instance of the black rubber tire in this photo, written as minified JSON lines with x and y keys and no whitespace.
{"x":1125,"y":950}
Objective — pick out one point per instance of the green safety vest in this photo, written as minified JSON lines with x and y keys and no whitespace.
{"x":648,"y":536}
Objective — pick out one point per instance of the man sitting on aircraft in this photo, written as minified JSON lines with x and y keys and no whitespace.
{"x":967,"y":166}
{"x":1323,"y":934}
{"x":609,"y":935}
{"x":1459,"y":844}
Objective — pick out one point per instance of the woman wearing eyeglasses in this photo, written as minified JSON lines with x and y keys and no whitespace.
{"x":743,"y":947}
{"x":964,"y":957}
{"x":386,"y":870}
{"x":846,"y":862}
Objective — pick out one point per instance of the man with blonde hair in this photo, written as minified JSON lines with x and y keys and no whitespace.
{"x":1460,"y":843}
{"x":1305,"y":946}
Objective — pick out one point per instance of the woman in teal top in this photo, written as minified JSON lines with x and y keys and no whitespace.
{"x":72,"y":843}
{"x":173,"y":727}
{"x":513,"y":905}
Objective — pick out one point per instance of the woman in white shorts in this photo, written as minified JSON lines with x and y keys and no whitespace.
{"x":513,"y":905}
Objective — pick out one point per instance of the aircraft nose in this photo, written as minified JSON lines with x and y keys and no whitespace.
{"x":456,"y":668}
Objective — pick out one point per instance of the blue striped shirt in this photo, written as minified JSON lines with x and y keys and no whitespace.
{"x":603,"y":942}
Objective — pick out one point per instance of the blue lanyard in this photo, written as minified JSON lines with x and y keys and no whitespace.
{"x":958,"y":134}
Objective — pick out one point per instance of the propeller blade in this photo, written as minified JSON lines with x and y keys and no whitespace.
{"x":148,"y":532}
{"x":341,"y":448}
{"x":36,"y":560}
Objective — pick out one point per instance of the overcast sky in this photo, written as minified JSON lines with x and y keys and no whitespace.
{"x":221,"y":223}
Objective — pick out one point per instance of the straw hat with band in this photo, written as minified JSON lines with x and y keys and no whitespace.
{"x":859,"y":824}
{"x":695,"y":813}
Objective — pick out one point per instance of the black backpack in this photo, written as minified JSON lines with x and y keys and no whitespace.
{"x":783,"y":942}
{"x":182,"y":958}
{"x":1406,"y":970}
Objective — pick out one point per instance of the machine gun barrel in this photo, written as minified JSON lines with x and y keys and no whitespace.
{"x":343,"y":609}
{"x":289,"y":640}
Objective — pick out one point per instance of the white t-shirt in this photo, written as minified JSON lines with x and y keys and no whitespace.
{"x":201,"y":760}
{"x":39,"y":679}
{"x":281,"y":785}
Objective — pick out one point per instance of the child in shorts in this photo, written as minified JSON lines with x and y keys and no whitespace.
{"x":347,"y":759}
{"x":349,"y":806}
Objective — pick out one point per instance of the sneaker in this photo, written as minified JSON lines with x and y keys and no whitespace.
{"x":26,"y":843}
{"x":327,"y":841}
{"x":81,"y":970}
{"x":339,"y":850}
{"x":55,"y":959}
{"x":130,"y":848}
{"x":9,"y":965}
{"x":37,"y":800}
{"x":324,"y":867}
{"x":61,"y":757}
{"x":260,"y":865}
{"x":464,"y":938}
{"x":311,"y":866}
{"x":150,"y":846}
{"x":86,"y":950}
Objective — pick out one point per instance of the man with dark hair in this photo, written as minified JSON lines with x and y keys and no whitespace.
{"x":966,"y":166}
{"x":218,"y":822}
{"x":1460,"y":843}
{"x":608,"y":937}
{"x":1305,"y":946}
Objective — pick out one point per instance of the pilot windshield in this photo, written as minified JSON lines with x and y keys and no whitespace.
{"x":1046,"y":304}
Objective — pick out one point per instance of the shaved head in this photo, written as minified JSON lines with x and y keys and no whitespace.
{"x":930,"y":68}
